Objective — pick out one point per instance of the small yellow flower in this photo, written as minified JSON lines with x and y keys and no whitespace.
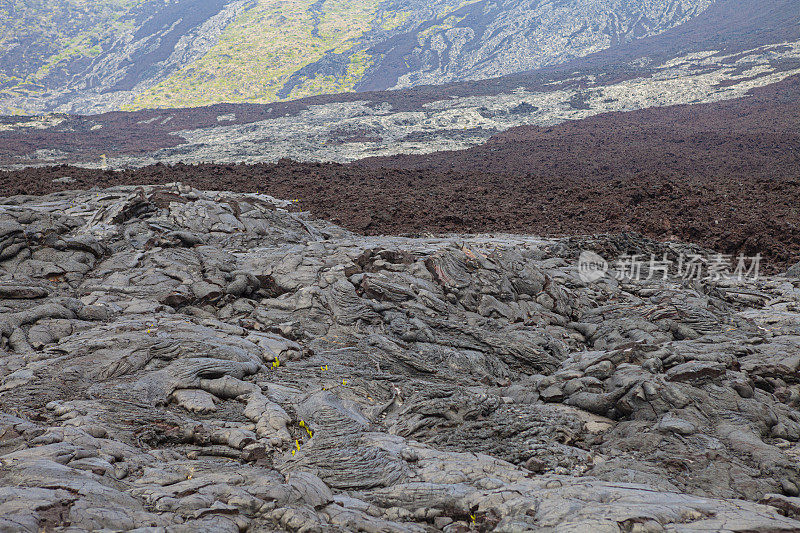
{"x":344,"y":382}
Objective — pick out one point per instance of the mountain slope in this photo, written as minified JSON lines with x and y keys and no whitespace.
{"x":77,"y":56}
{"x":487,"y":38}
{"x":723,"y":175}
{"x":732,"y":48}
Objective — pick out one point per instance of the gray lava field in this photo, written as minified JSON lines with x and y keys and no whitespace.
{"x":181,"y":360}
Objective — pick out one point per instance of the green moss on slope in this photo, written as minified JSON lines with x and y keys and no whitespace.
{"x":261,"y":49}
{"x":43,"y":36}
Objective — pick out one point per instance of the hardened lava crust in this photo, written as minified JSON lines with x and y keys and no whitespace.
{"x":180,"y":360}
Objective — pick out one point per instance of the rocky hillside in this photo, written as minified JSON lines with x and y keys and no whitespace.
{"x":189,"y":360}
{"x":726,"y":52}
{"x":722,"y":175}
{"x":77,"y":56}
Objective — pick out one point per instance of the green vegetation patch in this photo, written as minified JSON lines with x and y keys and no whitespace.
{"x":258,"y":53}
